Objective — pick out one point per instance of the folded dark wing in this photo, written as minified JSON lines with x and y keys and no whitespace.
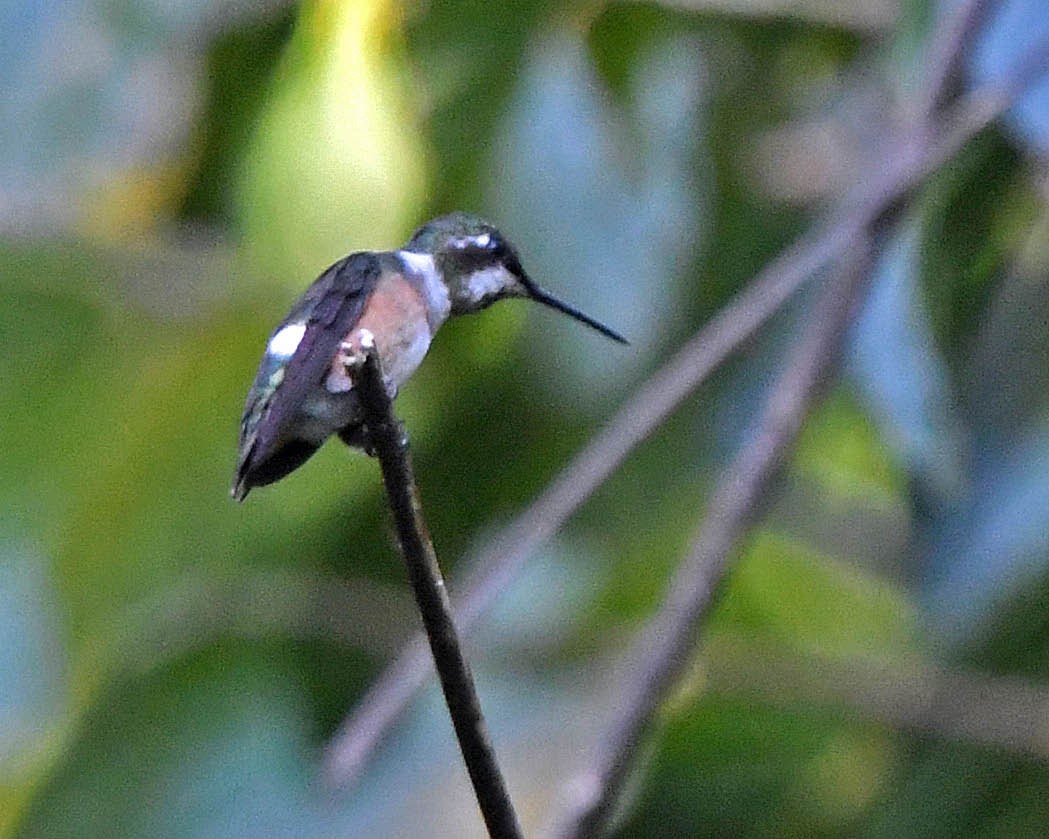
{"x":328,"y":308}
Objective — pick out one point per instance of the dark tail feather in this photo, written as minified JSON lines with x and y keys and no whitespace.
{"x":240,"y":488}
{"x":283,"y":461}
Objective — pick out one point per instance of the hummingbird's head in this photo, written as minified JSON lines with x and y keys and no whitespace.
{"x":480,"y":266}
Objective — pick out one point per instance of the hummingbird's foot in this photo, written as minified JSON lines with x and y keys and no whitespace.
{"x":350,"y":357}
{"x":353,"y":355}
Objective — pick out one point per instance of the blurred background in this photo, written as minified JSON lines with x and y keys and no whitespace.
{"x":172,"y":175}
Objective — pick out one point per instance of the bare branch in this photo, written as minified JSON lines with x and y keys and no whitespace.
{"x":946,"y":53}
{"x":663,"y":649}
{"x":390,"y":443}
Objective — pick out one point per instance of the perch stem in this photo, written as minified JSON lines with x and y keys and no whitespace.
{"x":390,"y":444}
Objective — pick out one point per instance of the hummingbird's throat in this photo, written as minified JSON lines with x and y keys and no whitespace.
{"x":485,"y":286}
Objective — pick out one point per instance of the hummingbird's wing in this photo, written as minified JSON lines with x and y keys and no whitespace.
{"x":327,"y":311}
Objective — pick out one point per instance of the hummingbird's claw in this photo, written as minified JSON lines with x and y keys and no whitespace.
{"x":350,"y":357}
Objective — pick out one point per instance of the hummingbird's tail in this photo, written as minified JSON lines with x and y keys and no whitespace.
{"x":240,"y":488}
{"x":255,"y":470}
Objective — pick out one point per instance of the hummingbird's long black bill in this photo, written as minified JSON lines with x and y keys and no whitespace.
{"x":540,"y":296}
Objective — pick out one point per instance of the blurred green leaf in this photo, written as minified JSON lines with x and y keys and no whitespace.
{"x":240,"y":67}
{"x":336,"y":164}
{"x":840,"y":448}
{"x":763,"y":772}
{"x":961,"y":791}
{"x":966,"y":235}
{"x":782,"y":589}
{"x":210,"y":747}
{"x":172,"y":663}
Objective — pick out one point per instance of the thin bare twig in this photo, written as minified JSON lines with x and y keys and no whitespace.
{"x":661,"y":394}
{"x":390,"y":443}
{"x":946,"y":53}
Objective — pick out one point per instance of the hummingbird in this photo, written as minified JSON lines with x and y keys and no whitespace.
{"x":303,"y":393}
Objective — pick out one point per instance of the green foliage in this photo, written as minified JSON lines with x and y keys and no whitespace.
{"x":172,"y":664}
{"x":783,"y":590}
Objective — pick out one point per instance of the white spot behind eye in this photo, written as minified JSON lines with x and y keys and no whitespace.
{"x":286,"y":340}
{"x":481,"y":240}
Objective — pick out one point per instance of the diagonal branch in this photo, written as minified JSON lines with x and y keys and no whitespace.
{"x":662,"y":652}
{"x":390,"y":443}
{"x":946,"y":52}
